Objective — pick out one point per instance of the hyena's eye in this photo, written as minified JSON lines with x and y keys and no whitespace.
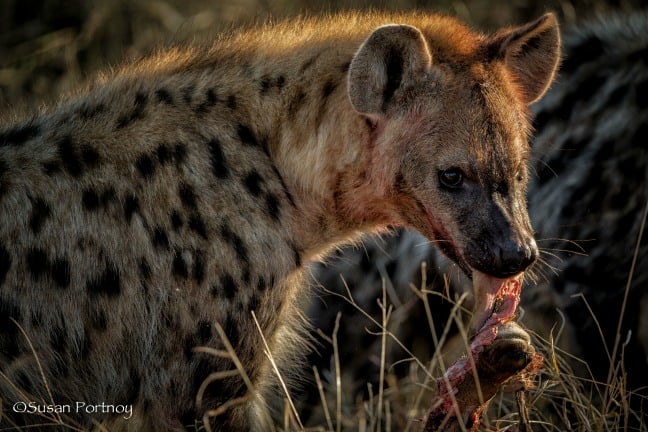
{"x":452,"y":178}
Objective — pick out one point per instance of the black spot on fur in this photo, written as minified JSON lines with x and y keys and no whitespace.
{"x":261,"y":284}
{"x":132,"y":393}
{"x":19,"y":134}
{"x":247,"y":136}
{"x":4,"y":168}
{"x":210,"y":96}
{"x":5,"y":264}
{"x":231,"y":329}
{"x":69,"y":156}
{"x":253,"y":182}
{"x":36,"y":319}
{"x":40,"y":212}
{"x":179,"y":154}
{"x":296,"y":103}
{"x":131,"y":206}
{"x":211,"y":99}
{"x":297,"y":255}
{"x":236,"y":242}
{"x":246,"y":275}
{"x":140,"y":100}
{"x":345,"y":67}
{"x":88,"y":111}
{"x":217,"y":158}
{"x":60,"y":270}
{"x":51,"y":167}
{"x":37,"y":263}
{"x":137,"y":113}
{"x":144,"y":269}
{"x":400,"y":184}
{"x":187,"y":196}
{"x":197,"y":225}
{"x":58,"y":340}
{"x":253,"y":303}
{"x":163,"y":154}
{"x":231,"y":102}
{"x":83,"y":347}
{"x":180,"y":269}
{"x":265,"y":84}
{"x":187,"y":93}
{"x":203,"y":332}
{"x":308,"y":63}
{"x":176,"y":220}
{"x":328,"y":88}
{"x":228,"y":286}
{"x":107,"y":283}
{"x":160,"y":238}
{"x":199,"y":266}
{"x":90,"y":199}
{"x":107,"y":196}
{"x":281,"y":81}
{"x":145,"y":165}
{"x":272,"y":205}
{"x":21,"y":379}
{"x":90,"y":156}
{"x":10,"y":334}
{"x":99,"y":320}
{"x":163,"y":95}
{"x":283,"y":185}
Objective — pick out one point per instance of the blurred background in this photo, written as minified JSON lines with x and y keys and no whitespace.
{"x":48,"y":46}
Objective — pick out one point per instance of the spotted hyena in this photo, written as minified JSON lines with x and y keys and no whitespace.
{"x":587,"y":198}
{"x":176,"y":202}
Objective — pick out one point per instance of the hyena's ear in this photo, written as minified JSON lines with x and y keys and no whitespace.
{"x":391,"y":59}
{"x":531,"y":52}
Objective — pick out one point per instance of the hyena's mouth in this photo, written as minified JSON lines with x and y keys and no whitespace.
{"x":446,"y":244}
{"x":495,"y":298}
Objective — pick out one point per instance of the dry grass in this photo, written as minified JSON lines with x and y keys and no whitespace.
{"x":562,"y":399}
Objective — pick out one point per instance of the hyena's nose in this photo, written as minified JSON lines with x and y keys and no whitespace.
{"x":514,"y":257}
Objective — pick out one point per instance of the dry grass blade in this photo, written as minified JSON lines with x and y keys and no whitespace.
{"x":320,"y":389}
{"x":268,"y":353}
{"x":617,"y":339}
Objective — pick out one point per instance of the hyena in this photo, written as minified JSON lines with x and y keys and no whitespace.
{"x":587,"y":196}
{"x":176,"y":202}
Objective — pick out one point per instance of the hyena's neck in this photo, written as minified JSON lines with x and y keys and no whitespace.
{"x":323,"y":150}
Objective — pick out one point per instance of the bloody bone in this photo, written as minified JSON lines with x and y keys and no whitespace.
{"x":499,"y":352}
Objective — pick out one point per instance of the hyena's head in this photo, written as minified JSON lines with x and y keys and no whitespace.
{"x":450,"y":128}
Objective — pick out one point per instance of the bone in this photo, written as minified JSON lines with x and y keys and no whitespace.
{"x":499,"y":351}
{"x":460,"y":399}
